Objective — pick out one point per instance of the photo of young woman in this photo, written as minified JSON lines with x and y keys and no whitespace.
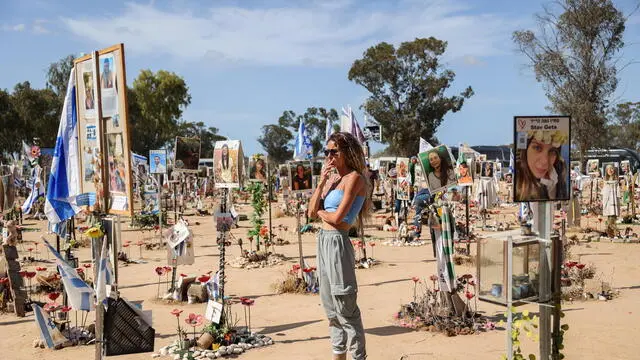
{"x":464,"y":175}
{"x":258,"y":170}
{"x":301,"y":178}
{"x":437,"y":165}
{"x":488,"y":169}
{"x":592,"y":166}
{"x":625,"y":167}
{"x":610,"y":172}
{"x":542,"y":159}
{"x":228,"y":164}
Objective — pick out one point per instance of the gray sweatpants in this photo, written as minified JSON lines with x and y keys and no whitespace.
{"x":338,"y":292}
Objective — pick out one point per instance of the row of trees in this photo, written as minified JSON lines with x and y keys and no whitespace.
{"x":156,"y":102}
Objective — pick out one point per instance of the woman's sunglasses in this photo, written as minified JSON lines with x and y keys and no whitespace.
{"x":333,"y":152}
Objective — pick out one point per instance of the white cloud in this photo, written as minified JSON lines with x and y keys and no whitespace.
{"x":18,"y":27}
{"x":38,"y":27}
{"x":321,"y":33}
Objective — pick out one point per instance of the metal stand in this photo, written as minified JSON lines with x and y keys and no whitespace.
{"x":298,"y":200}
{"x":222,"y":237}
{"x":466,"y":211}
{"x":543,"y":221}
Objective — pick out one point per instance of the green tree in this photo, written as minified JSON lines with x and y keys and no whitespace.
{"x":9,"y":125}
{"x":573,"y":55}
{"x":624,"y":128}
{"x":275,"y":140}
{"x":315,"y":122}
{"x":38,"y":113}
{"x":407,"y":87}
{"x":156,"y":103}
{"x":208,"y":136}
{"x":58,"y":76}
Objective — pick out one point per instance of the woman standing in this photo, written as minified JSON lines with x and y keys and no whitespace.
{"x":346,"y":202}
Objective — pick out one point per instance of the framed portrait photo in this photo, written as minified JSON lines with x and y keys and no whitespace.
{"x":625,"y":167}
{"x":438,"y":168}
{"x":542,"y":162}
{"x":187,"y":154}
{"x":610,"y":171}
{"x":228,"y":163}
{"x":300,"y":175}
{"x":258,"y":169}
{"x":593,"y":167}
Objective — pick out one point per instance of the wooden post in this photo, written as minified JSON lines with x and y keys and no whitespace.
{"x":269,"y":201}
{"x":298,"y":200}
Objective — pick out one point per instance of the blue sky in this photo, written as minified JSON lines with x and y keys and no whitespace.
{"x":245,"y":62}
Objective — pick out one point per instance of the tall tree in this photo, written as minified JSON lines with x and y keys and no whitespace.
{"x":9,"y":124}
{"x":573,"y":56}
{"x":159,"y":100}
{"x":208,"y":136}
{"x":315,"y":122}
{"x":624,"y":129}
{"x":275,"y":141}
{"x":58,"y":76}
{"x":38,"y":113}
{"x":407,"y":87}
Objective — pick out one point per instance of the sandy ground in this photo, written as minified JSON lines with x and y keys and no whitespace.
{"x":598,"y":330}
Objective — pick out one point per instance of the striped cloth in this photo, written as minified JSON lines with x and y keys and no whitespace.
{"x":444,"y":252}
{"x":80,"y":294}
{"x":48,"y":330}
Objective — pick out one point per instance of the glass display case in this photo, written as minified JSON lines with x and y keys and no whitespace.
{"x":493,"y":272}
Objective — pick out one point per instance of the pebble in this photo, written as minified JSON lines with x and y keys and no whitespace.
{"x":238,"y":350}
{"x":155,"y":355}
{"x":164,"y":351}
{"x":211,"y":355}
{"x":218,"y":353}
{"x":260,"y":343}
{"x":222,"y":349}
{"x":176,"y":357}
{"x":196,"y":353}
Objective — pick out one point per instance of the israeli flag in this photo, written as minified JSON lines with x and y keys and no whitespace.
{"x":37,"y":190}
{"x":48,"y":330}
{"x":303,"y":149}
{"x":64,"y":181}
{"x":328,"y":131}
{"x":511,"y":161}
{"x":105,"y":275}
{"x":80,"y":294}
{"x":351,"y":124}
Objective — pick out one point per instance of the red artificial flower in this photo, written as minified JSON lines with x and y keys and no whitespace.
{"x":580,"y":266}
{"x":4,"y":280}
{"x":22,"y":273}
{"x":40,"y":268}
{"x":472,"y":283}
{"x":30,"y":249}
{"x":86,"y":265}
{"x":167,"y":268}
{"x":183,"y":275}
{"x":264,"y":231}
{"x":65,"y":309}
{"x":140,"y":243}
{"x":79,"y":271}
{"x":415,"y":279}
{"x":53,"y":296}
{"x":372,"y":244}
{"x":469,"y":295}
{"x":570,"y":264}
{"x":204,"y":278}
{"x":307,"y":270}
{"x":125,"y":245}
{"x":296,"y":267}
{"x":467,"y":276}
{"x":31,"y":274}
{"x":160,"y":270}
{"x":313,"y":268}
{"x":247,"y":302}
{"x":176,"y":312}
{"x":49,"y":307}
{"x":433,"y":278}
{"x":194,"y":320}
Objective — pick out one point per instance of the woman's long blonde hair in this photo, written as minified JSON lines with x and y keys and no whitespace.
{"x":353,"y":154}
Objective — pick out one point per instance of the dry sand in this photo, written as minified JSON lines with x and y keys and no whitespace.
{"x":598,"y":329}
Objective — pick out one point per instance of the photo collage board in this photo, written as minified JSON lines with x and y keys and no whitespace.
{"x":104,"y":82}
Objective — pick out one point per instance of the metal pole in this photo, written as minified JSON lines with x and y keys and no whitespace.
{"x":543,"y":222}
{"x":269,"y":201}
{"x":223,"y":209}
{"x":557,"y":294}
{"x":298,"y":230}
{"x":509,"y":298}
{"x":466,"y":210}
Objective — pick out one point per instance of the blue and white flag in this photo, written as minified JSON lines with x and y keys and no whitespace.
{"x":328,"y":131}
{"x":64,"y":181}
{"x":37,"y":190}
{"x":48,"y":330}
{"x":511,"y":161}
{"x":303,"y":149}
{"x":80,"y":294}
{"x":105,"y":274}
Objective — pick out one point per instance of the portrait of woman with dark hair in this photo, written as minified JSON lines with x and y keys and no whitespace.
{"x":542,"y":167}
{"x":301,"y":176}
{"x":610,"y":171}
{"x":437,"y":164}
{"x":258,"y":170}
{"x":488,"y":169}
{"x":464,"y":174}
{"x":227,"y":162}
